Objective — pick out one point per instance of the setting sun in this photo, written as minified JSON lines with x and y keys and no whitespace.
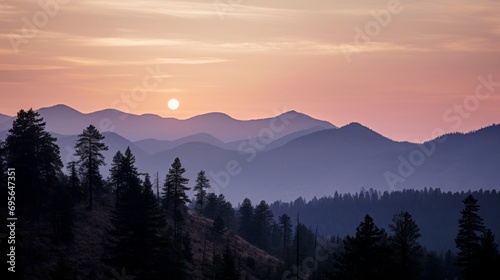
{"x":173,"y":104}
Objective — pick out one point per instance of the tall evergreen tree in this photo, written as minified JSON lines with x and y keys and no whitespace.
{"x":202,"y":184}
{"x":263,"y":217}
{"x":34,"y":154}
{"x":116,"y":173}
{"x":276,"y":239}
{"x":212,"y":208}
{"x":226,"y":211}
{"x":488,"y":257}
{"x":366,"y":255}
{"x":468,"y":239}
{"x":138,"y":238}
{"x":89,"y":148}
{"x":245,"y":228}
{"x":175,"y":199}
{"x":407,"y":251}
{"x":74,"y":181}
{"x":286,"y":226}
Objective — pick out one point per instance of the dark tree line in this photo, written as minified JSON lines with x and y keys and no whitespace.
{"x":438,"y":212}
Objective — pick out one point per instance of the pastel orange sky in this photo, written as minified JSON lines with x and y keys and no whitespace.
{"x":254,"y":58}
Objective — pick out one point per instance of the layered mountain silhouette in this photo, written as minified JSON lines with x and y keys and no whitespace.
{"x":65,"y":120}
{"x":308,"y":158}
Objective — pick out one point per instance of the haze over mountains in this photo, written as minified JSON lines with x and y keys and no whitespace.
{"x":295,"y":155}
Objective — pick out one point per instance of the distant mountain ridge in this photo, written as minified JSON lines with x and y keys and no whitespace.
{"x":68,"y":121}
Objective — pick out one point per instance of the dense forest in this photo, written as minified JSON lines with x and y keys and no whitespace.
{"x":436,"y":212}
{"x":74,"y":224}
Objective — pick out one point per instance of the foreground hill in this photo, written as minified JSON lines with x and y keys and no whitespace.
{"x":84,"y":257}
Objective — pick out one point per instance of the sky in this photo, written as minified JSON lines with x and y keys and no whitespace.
{"x":407,"y":69}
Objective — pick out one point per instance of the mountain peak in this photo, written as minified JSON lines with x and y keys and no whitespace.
{"x":355,"y":126}
{"x":212,"y":116}
{"x":59,"y":109}
{"x":361,"y":131}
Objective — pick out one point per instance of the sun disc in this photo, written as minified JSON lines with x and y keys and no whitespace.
{"x":173,"y":104}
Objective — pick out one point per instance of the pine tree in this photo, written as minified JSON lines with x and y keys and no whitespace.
{"x":127,"y":218}
{"x":286,"y":226}
{"x":89,"y":148}
{"x":212,"y":207}
{"x":138,"y":238}
{"x":263,"y":217}
{"x":34,"y":154}
{"x":276,"y":239}
{"x":245,"y":228}
{"x":226,"y":211}
{"x":202,"y":184}
{"x":74,"y":181}
{"x":115,"y":173}
{"x":468,"y":239}
{"x":407,"y":251}
{"x":366,"y":255}
{"x":175,"y":199}
{"x":488,"y":257}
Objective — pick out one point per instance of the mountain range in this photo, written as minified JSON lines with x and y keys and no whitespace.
{"x":287,"y":156}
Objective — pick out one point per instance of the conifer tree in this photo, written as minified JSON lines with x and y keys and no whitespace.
{"x":488,"y":257}
{"x":286,"y":226}
{"x":74,"y":181}
{"x":175,"y":199}
{"x":202,"y":184}
{"x":468,"y":239}
{"x":88,"y":149}
{"x":116,"y":176}
{"x":138,"y":238}
{"x":366,"y":255}
{"x":34,"y":154}
{"x":246,"y":214}
{"x":407,"y":251}
{"x":212,"y":207}
{"x":263,"y":217}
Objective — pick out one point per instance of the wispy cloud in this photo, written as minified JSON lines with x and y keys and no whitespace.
{"x":188,"y":9}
